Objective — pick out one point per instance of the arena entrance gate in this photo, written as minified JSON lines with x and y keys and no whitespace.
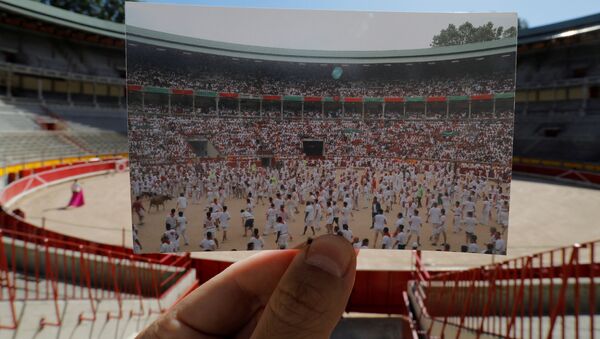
{"x":312,"y":147}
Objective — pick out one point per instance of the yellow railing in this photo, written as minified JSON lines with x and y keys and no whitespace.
{"x":51,"y":162}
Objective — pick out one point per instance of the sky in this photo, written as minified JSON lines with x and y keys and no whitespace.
{"x":536,"y":12}
{"x":305,"y":29}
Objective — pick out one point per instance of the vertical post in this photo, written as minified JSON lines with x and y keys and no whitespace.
{"x":9,"y":84}
{"x":193,"y":103}
{"x":383,"y":111}
{"x":217,"y":104}
{"x":343,"y":108}
{"x":143,"y":101}
{"x":39,"y":89}
{"x":470,"y":103}
{"x":69,"y":92}
{"x":322,"y":109}
{"x":302,"y":111}
{"x":425,"y":109}
{"x":447,"y":108}
{"x":121,"y":98}
{"x":169,"y":102}
{"x":404,"y":109}
{"x":240,"y":106}
{"x":94,"y":90}
{"x":494,"y":106}
{"x":281,"y":107}
{"x":363,"y":109}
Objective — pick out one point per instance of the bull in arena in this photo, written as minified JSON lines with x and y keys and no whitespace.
{"x":159,"y":200}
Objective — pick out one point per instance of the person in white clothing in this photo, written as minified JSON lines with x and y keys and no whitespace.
{"x":386,"y":242}
{"x":208,"y":243}
{"x":346,"y":232}
{"x":271,"y":220}
{"x":415,"y":227}
{"x":282,"y":234}
{"x":309,"y":218}
{"x":401,"y":238}
{"x":224,"y":218}
{"x":257,"y":242}
{"x":181,"y":227}
{"x":182,"y":203}
{"x":379,"y":223}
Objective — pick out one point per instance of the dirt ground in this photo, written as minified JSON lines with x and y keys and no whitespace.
{"x":542,"y":216}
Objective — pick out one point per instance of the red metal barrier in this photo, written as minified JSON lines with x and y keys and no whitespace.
{"x":62,"y":270}
{"x":516,"y":298}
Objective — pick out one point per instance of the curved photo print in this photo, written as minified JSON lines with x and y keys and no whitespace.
{"x":255,"y":129}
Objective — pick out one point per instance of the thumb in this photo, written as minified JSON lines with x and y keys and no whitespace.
{"x":313,"y":292}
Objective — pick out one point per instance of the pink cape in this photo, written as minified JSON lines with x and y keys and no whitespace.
{"x":77,"y":199}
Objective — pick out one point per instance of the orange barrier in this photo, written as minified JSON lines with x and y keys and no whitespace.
{"x":512,"y":298}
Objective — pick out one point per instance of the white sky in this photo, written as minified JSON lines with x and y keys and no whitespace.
{"x":304,"y":29}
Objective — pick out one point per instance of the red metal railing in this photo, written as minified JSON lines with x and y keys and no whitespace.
{"x":549,"y":294}
{"x":62,"y":270}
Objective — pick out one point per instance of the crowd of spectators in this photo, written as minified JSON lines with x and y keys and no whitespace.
{"x":156,"y":138}
{"x":258,"y":85}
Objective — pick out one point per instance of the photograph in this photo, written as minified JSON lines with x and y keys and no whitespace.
{"x":351,"y":127}
{"x":299,"y":169}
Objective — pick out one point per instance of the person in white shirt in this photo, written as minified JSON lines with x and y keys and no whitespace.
{"x":208,"y":243}
{"x":379,"y":223}
{"x":165,"y":246}
{"x":486,"y":212}
{"x":434,"y":215}
{"x":386,"y":242}
{"x":309,"y":218}
{"x":365,"y":244}
{"x":336,"y":213}
{"x":247,"y":221}
{"x":415,"y":227}
{"x":469,"y":206}
{"x":499,"y":244}
{"x":137,"y":245}
{"x":346,"y":232}
{"x":271,"y":220}
{"x":329,"y":218}
{"x":257,"y":242}
{"x":399,"y":222}
{"x":457,"y":221}
{"x":182,"y":203}
{"x":173,"y":236}
{"x":171,"y":219}
{"x":401,"y":238}
{"x":473,"y":247}
{"x":224,"y":218}
{"x":282,"y":234}
{"x":181,"y":227}
{"x":346,"y":213}
{"x":470,"y":222}
{"x":210,"y":225}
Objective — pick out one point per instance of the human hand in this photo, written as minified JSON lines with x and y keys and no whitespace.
{"x":290,"y":294}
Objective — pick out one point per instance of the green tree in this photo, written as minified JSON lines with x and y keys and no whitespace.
{"x":113,"y":10}
{"x":467,"y":34}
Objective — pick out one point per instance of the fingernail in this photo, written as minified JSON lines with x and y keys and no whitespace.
{"x":331,"y":254}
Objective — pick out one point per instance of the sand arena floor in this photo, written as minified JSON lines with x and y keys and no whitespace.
{"x":543,"y":216}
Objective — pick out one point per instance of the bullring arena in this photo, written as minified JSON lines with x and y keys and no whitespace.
{"x":71,"y":272}
{"x":538,"y":221}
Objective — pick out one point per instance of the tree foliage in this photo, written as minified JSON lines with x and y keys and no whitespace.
{"x":113,"y":10}
{"x":467,"y":33}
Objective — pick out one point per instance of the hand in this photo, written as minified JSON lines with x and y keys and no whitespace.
{"x":289,"y":294}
